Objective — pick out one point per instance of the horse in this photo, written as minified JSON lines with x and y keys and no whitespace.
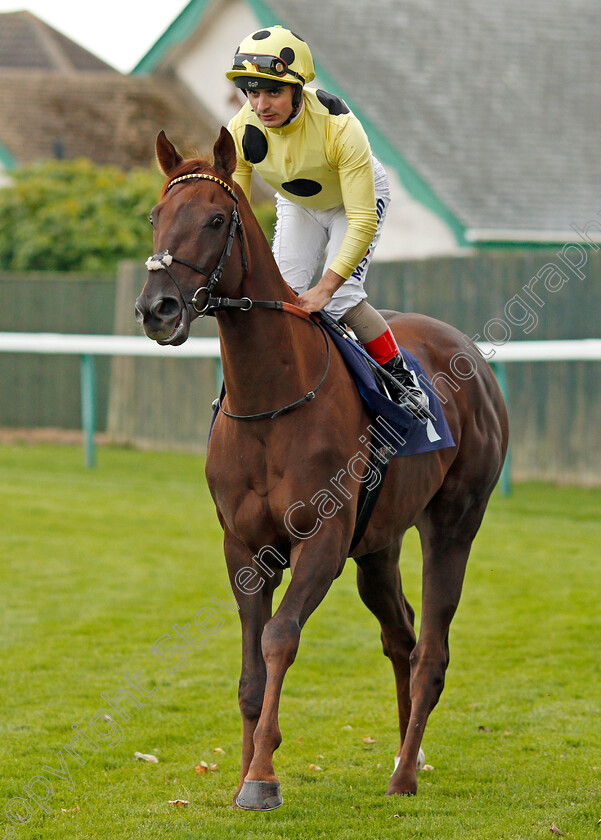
{"x":287,"y":428}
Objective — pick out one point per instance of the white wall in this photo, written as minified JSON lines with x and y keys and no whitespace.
{"x":412,"y":231}
{"x":208,"y":54}
{"x":5,"y":179}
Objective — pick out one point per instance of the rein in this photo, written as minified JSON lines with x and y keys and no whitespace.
{"x":163,"y":261}
{"x":272,"y":414}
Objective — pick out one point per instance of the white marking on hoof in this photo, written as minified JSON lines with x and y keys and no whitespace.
{"x":421,"y":760}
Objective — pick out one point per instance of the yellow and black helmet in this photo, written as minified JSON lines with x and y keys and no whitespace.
{"x":271,"y":57}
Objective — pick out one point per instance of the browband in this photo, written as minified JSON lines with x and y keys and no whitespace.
{"x":206,"y":178}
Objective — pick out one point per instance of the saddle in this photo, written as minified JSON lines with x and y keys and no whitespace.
{"x":400,"y":429}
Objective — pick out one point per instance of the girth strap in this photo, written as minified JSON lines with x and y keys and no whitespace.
{"x":369,"y":497}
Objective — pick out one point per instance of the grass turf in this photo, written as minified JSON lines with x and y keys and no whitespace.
{"x":98,"y":566}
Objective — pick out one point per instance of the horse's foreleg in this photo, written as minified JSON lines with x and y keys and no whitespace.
{"x":315,"y":563}
{"x":446,"y":545}
{"x":380,"y":588}
{"x":255,"y":611}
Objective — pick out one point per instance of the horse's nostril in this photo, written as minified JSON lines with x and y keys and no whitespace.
{"x":166,"y":308}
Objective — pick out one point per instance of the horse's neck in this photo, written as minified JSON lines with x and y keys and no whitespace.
{"x":264,"y":280}
{"x":266,"y":354}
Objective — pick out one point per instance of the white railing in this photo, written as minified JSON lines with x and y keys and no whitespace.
{"x":585,"y":349}
{"x":104,"y":345}
{"x":89,"y":346}
{"x":573,"y":350}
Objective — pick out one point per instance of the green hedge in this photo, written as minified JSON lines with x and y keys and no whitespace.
{"x":76,"y":216}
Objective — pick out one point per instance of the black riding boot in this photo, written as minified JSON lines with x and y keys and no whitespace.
{"x":404,"y":377}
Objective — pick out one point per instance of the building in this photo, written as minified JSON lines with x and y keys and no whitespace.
{"x":59,"y":101}
{"x":485,"y":112}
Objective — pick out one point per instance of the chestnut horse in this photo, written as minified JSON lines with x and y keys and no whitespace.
{"x":267,"y":469}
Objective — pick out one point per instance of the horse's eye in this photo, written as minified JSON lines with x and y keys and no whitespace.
{"x":217,"y":221}
{"x":150,"y":220}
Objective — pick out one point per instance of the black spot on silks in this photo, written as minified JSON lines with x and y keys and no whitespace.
{"x":302,"y":187}
{"x":254,"y":144}
{"x":334,"y":104}
{"x":261,"y":35}
{"x":288,"y":55}
{"x":298,"y":36}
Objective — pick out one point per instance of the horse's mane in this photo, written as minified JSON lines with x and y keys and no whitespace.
{"x":186,"y":167}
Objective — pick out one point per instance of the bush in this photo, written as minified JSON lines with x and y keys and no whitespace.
{"x":77,"y":216}
{"x":265,"y":213}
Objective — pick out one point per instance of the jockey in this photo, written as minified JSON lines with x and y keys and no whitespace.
{"x":331,"y":192}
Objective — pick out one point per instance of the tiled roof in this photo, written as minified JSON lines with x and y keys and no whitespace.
{"x":495,"y":103}
{"x":107,"y":117}
{"x":28,"y":42}
{"x":57,"y":99}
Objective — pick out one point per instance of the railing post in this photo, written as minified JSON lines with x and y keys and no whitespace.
{"x":218,"y":374}
{"x":505,"y":480}
{"x":88,"y":407}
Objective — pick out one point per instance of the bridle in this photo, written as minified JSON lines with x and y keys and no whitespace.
{"x":163,"y":260}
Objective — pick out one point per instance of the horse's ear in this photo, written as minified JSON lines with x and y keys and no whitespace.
{"x":167,"y":155}
{"x":224,"y":152}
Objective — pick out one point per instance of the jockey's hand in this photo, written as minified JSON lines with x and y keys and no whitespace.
{"x":315,"y":299}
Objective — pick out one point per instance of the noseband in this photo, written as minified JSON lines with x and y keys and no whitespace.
{"x":164,"y":259}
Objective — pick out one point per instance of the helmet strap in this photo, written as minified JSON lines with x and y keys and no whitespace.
{"x":297,"y":98}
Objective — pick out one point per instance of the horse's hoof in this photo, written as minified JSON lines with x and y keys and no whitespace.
{"x":259,"y":796}
{"x":405,"y":790}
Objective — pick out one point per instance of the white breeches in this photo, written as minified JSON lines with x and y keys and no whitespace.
{"x":302,"y":236}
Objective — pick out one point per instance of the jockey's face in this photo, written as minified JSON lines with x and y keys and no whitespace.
{"x":273,"y":107}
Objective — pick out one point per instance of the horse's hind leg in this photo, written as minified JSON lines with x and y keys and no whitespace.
{"x":380,"y":587}
{"x":447,"y":528}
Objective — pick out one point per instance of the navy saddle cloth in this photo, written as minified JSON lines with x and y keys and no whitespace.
{"x":407,"y":434}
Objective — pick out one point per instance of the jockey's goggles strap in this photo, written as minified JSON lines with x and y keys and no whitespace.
{"x":272,"y":65}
